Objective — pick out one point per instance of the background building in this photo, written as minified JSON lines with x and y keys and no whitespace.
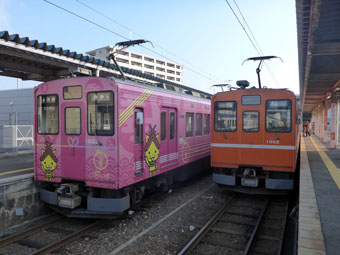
{"x":149,"y":65}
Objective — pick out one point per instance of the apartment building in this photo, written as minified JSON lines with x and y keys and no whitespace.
{"x":149,"y":65}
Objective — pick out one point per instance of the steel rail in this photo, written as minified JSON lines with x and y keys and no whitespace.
{"x":65,"y":240}
{"x":200,"y":234}
{"x":258,"y":223}
{"x":15,"y":237}
{"x":283,"y":228}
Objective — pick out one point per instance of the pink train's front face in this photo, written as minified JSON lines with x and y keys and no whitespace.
{"x":110,"y":135}
{"x":76,"y":131}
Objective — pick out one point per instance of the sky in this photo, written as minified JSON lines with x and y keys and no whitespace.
{"x":203,"y":36}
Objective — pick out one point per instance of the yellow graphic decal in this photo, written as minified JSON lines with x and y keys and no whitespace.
{"x":48,"y":161}
{"x":185,"y":152}
{"x":152,"y":148}
{"x":100,"y":160}
{"x":126,"y":114}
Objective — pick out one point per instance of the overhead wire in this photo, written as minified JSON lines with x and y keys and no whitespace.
{"x":125,"y":38}
{"x":257,"y":46}
{"x":156,"y":44}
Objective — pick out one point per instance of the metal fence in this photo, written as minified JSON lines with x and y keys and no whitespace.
{"x":16,"y":132}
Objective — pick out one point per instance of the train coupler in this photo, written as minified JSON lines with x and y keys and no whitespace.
{"x":249,"y":178}
{"x":67,"y":197}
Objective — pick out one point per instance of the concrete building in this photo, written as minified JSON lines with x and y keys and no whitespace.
{"x":149,"y":65}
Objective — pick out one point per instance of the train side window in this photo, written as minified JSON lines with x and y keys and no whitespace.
{"x":100,"y":114}
{"x":163,"y":126}
{"x":278,"y":115}
{"x":251,"y":121}
{"x":206,"y":124}
{"x":225,"y":116}
{"x":189,"y":126}
{"x":72,"y":121}
{"x":172,"y":125}
{"x":48,"y":114}
{"x":198,"y":124}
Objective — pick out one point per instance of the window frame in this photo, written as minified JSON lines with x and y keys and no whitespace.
{"x":80,"y":121}
{"x":258,"y":121}
{"x":113,"y":110}
{"x":215,"y":103}
{"x":57,"y":97}
{"x":291,"y":112}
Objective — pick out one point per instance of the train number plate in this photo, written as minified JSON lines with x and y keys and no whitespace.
{"x":249,"y":182}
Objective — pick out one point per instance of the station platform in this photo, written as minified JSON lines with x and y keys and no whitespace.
{"x":319,"y":206}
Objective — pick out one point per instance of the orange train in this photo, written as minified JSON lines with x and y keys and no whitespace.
{"x":255,"y":139}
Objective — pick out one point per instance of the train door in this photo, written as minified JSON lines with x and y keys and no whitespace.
{"x":168,"y":141}
{"x":139,"y":142}
{"x":73,"y":112}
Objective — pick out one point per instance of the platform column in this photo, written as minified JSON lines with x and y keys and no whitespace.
{"x":333,"y":116}
{"x":324,"y":123}
{"x":318,"y":122}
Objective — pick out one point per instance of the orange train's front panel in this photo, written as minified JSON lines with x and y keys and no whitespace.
{"x":254,"y":138}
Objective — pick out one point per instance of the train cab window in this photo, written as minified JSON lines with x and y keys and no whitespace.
{"x":163,"y":126}
{"x":72,"y":121}
{"x":225,"y":116}
{"x":198,"y":124}
{"x":48,"y":114}
{"x":172,"y":125}
{"x":250,"y":121}
{"x":189,"y":126}
{"x":100,"y":113}
{"x":72,"y":92}
{"x":278,"y":115}
{"x":206,"y":124}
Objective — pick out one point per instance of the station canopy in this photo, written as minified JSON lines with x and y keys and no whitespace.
{"x":21,"y":57}
{"x":318,"y":23}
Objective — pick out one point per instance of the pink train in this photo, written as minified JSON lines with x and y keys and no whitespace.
{"x":100,"y":143}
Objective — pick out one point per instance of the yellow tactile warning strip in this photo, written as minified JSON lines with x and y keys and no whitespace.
{"x":311,"y":239}
{"x":333,"y":170}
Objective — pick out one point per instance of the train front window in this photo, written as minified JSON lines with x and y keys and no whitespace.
{"x":278,"y":115}
{"x":100,"y":113}
{"x":225,"y":116}
{"x":48,"y":114}
{"x":250,"y":121}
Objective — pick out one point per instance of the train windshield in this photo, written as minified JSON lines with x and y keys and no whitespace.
{"x":278,"y":115}
{"x":225,"y":116}
{"x":48,"y":114}
{"x":100,"y":113}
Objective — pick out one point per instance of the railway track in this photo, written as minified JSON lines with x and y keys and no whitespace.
{"x":45,"y":237}
{"x":244,"y":225}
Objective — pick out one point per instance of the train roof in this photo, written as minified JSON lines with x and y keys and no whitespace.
{"x":162,"y":89}
{"x":254,"y":91}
